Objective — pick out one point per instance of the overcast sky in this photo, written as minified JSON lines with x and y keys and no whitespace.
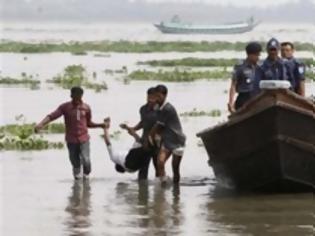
{"x":250,"y":3}
{"x":156,"y":10}
{"x":260,"y":3}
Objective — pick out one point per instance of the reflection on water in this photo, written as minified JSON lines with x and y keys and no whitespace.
{"x":250,"y":214}
{"x":151,"y":210}
{"x":79,"y":209}
{"x":193,"y":208}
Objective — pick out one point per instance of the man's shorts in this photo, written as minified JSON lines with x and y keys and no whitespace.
{"x":179,"y":151}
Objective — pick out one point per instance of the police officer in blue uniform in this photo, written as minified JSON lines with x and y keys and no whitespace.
{"x":273,"y":66}
{"x":246,"y":77}
{"x":295,"y":68}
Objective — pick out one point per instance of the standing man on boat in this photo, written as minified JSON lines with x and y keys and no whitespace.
{"x":78,"y":118}
{"x":295,"y":67}
{"x":172,"y":137}
{"x":273,"y":66}
{"x":148,"y":118}
{"x":245,"y":78}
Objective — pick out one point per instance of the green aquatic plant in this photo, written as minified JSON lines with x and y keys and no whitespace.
{"x":23,"y":81}
{"x":177,"y":75}
{"x":102,"y":55}
{"x":76,"y":75}
{"x":124,"y":46}
{"x":73,"y":75}
{"x":310,"y":75}
{"x":206,"y":62}
{"x":79,"y":53}
{"x":8,"y":143}
{"x":191,"y":62}
{"x":22,"y":137}
{"x":197,"y":113}
{"x":26,"y":130}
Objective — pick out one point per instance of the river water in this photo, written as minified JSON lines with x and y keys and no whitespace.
{"x":38,"y":195}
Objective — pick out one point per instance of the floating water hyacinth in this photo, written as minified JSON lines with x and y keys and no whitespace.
{"x":197,"y":113}
{"x":76,"y":75}
{"x":8,"y":143}
{"x":124,"y":46}
{"x":21,"y":136}
{"x":177,"y":75}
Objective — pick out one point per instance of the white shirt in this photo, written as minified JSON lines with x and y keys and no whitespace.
{"x":119,"y":157}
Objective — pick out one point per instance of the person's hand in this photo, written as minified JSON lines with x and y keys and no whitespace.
{"x":123,"y":126}
{"x":146,"y":144}
{"x":106,"y":124}
{"x":131,"y":131}
{"x":231,"y":107}
{"x":37,"y":128}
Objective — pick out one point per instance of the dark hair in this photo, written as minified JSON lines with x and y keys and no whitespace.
{"x":161,"y":89}
{"x":151,"y":91}
{"x":76,"y":91}
{"x":287,"y":44}
{"x":253,"y":48}
{"x":119,"y":168}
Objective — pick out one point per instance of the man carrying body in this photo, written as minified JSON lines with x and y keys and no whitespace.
{"x":246,"y":77}
{"x":78,"y":118}
{"x":148,"y":118}
{"x":172,"y":137}
{"x":295,"y":67}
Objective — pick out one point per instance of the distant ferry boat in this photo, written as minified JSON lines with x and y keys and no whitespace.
{"x":176,"y":26}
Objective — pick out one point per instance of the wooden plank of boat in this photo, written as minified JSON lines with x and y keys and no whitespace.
{"x":259,"y":143}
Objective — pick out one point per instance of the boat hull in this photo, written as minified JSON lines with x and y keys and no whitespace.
{"x":179,"y":30}
{"x":272,"y":148}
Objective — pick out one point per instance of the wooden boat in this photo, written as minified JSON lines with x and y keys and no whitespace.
{"x":176,"y":26}
{"x":269,"y":144}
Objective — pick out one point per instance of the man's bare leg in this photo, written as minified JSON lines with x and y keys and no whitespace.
{"x":176,"y":168}
{"x":163,"y":156}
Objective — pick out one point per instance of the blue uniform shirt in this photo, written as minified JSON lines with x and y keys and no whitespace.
{"x":297,"y":72}
{"x":275,"y":70}
{"x":247,"y":77}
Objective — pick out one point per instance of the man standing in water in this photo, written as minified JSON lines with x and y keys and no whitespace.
{"x":77,"y":117}
{"x":148,"y":118}
{"x":295,"y":67}
{"x":246,"y":77}
{"x":173,"y":138}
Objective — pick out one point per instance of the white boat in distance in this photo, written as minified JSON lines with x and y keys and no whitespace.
{"x":176,"y":26}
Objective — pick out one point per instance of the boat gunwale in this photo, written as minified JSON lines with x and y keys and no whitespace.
{"x":241,"y":117}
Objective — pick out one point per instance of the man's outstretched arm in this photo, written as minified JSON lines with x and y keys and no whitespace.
{"x":132,"y":132}
{"x":91,"y":124}
{"x":49,"y":118}
{"x":106,"y":132}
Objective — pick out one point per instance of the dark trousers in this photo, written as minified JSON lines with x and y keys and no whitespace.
{"x":241,"y":99}
{"x":144,"y":170}
{"x":79,"y":155}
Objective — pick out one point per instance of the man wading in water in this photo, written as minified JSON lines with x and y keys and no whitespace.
{"x":148,"y":117}
{"x":173,"y":138}
{"x":77,"y":116}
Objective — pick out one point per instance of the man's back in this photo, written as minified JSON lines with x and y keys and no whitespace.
{"x":172,"y":130}
{"x":76,"y":121}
